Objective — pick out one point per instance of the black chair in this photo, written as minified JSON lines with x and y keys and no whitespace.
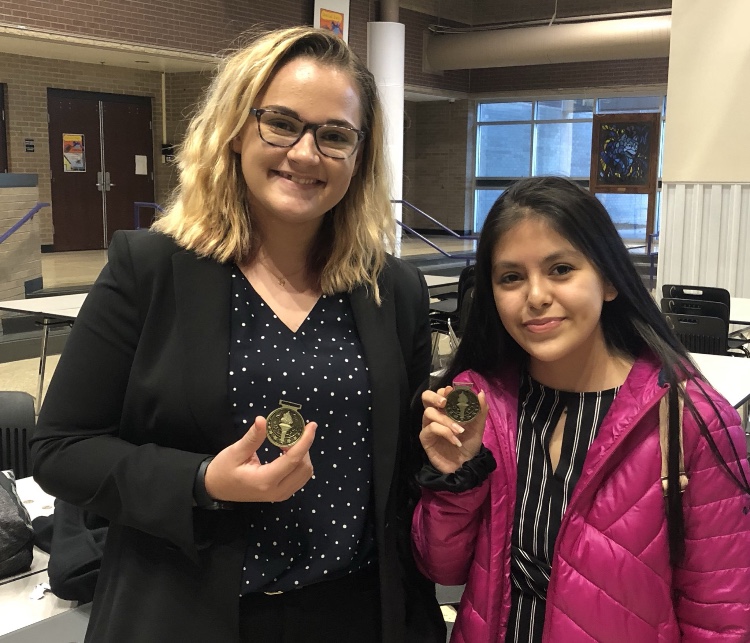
{"x":17,"y":422}
{"x":703,"y":293}
{"x":449,"y":303}
{"x":706,"y":308}
{"x":700,"y":334}
{"x":448,"y":318}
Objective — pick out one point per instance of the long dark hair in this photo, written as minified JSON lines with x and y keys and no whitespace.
{"x":631,"y":323}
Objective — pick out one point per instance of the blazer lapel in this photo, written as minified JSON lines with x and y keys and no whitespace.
{"x":202,"y":294}
{"x":376,"y":326}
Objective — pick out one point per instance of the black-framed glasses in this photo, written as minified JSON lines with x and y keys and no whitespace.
{"x":282,"y":130}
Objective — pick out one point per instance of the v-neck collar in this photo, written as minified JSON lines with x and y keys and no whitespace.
{"x":305,"y":321}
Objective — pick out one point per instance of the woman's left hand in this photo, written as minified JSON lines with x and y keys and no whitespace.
{"x":448,"y":444}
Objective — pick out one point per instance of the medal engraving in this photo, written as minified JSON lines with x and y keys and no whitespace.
{"x":462,"y":404}
{"x":284,"y":426}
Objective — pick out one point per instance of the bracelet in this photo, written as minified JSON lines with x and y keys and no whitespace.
{"x":470,"y":475}
{"x":202,"y":499}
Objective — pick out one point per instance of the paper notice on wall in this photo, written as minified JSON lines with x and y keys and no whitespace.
{"x":74,"y":153}
{"x":333,"y":21}
{"x":334,"y":16}
{"x":141,"y":164}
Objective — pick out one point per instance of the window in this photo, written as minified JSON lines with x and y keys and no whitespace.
{"x":504,"y":150}
{"x":483,"y":200}
{"x":532,"y":138}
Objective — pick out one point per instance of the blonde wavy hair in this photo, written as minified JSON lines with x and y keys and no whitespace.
{"x":209,"y":211}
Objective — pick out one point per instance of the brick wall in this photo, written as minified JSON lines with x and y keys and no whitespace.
{"x":20,"y":256}
{"x":189,"y":25}
{"x":608,"y":73}
{"x":410,"y":155}
{"x":494,"y":12}
{"x":184,"y":91}
{"x":440,"y":151}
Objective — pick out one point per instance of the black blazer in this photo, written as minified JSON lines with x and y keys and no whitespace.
{"x":139,"y":399}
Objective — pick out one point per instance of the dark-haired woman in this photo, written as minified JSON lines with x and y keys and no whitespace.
{"x":558,"y":504}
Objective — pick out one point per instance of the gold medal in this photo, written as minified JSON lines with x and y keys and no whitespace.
{"x":284,"y":426}
{"x":462,"y":403}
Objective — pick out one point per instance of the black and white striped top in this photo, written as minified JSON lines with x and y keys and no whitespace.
{"x":543,"y":493}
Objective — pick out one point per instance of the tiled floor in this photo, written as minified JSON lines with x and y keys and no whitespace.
{"x":72,"y":268}
{"x":413,"y":246}
{"x":23,"y":375}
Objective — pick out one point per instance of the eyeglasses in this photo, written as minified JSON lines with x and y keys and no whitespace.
{"x":283,"y":130}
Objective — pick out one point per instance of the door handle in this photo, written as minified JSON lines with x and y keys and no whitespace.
{"x":99,"y":185}
{"x":107,"y":182}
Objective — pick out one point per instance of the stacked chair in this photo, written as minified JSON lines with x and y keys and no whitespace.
{"x":448,"y":315}
{"x":17,"y":422}
{"x":699,"y":316}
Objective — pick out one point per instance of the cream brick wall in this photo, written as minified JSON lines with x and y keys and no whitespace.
{"x":184,"y":91}
{"x":440,"y":153}
{"x":20,"y":254}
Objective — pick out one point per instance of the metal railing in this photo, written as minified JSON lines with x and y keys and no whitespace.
{"x":652,"y":254}
{"x":27,"y":217}
{"x":468,"y":257}
{"x":137,"y":205}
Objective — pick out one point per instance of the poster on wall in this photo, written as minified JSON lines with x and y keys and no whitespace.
{"x":74,"y":153}
{"x":625,"y":153}
{"x":334,"y":16}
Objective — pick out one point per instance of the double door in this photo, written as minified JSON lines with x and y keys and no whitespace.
{"x":101,"y":162}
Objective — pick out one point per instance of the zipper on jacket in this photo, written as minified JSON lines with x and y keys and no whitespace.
{"x":574,"y":502}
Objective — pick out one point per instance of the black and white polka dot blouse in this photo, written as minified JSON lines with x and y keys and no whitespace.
{"x":325,"y":530}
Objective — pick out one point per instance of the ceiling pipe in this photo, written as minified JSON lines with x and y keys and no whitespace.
{"x":389,"y":10}
{"x":561,"y":43}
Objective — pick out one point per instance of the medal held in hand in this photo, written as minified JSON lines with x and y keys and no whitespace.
{"x":462,"y":403}
{"x":284,"y":426}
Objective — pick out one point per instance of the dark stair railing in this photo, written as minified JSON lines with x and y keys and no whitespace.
{"x":468,"y":257}
{"x":137,"y":205}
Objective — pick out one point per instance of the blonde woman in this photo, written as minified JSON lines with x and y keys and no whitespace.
{"x":262,"y":306}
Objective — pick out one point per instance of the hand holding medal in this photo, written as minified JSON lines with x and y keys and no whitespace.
{"x":452,"y":425}
{"x":236,"y":473}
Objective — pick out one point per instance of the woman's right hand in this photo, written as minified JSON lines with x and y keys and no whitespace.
{"x":237,"y":475}
{"x":449,"y":444}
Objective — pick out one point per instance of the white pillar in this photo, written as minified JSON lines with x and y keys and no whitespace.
{"x":385,"y":59}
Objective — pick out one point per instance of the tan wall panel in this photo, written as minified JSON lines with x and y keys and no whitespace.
{"x":706,"y":133}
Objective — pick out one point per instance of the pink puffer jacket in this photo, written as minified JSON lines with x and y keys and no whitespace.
{"x":611,"y":579}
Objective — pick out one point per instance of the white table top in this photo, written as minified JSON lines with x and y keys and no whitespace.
{"x":434,"y":281}
{"x":17,"y":609}
{"x":739,"y":311}
{"x":37,"y":502}
{"x":730,"y":376}
{"x":59,"y":306}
